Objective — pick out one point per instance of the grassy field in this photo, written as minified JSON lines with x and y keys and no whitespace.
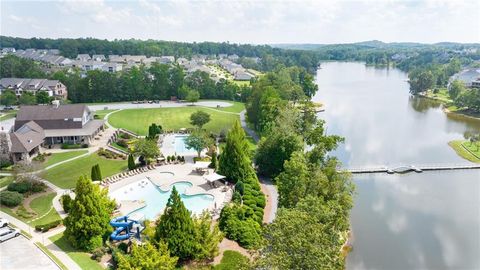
{"x":57,"y":157}
{"x":41,"y":206}
{"x":50,"y":254}
{"x":241,"y":83}
{"x":169,"y":118}
{"x":442,"y":95}
{"x":81,"y":258}
{"x":101,"y":113}
{"x":466,"y":150}
{"x":8,"y":115}
{"x":67,"y":174}
{"x":236,"y":107}
{"x":5,"y":181}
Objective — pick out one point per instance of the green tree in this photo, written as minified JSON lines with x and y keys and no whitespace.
{"x":8,"y":98}
{"x":214,"y":162}
{"x":183,"y":92}
{"x":147,"y":257}
{"x":89,"y":216}
{"x":193,"y":96}
{"x":308,"y":243}
{"x":421,"y":81}
{"x":208,"y":236}
{"x":42,"y":97}
{"x":198,"y":140}
{"x":146,"y":149}
{"x":27,"y":98}
{"x":235,"y":162}
{"x":199,"y":118}
{"x":153,"y":131}
{"x":96,"y":173}
{"x":131,"y":162}
{"x":177,"y":229}
{"x":294,"y":182}
{"x":456,"y":88}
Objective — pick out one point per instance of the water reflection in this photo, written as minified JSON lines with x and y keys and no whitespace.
{"x":412,"y":221}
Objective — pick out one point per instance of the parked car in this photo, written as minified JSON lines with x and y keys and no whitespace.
{"x":3,"y":222}
{"x":7,"y":233}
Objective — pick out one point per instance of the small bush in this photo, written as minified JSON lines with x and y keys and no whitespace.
{"x":10,"y":198}
{"x":233,"y":260}
{"x":5,"y":164}
{"x":48,"y":226}
{"x":72,"y":146}
{"x":122,"y":143}
{"x":24,"y":213}
{"x":66,"y":201}
{"x":123,"y":247}
{"x":98,"y":253}
{"x":25,"y":186}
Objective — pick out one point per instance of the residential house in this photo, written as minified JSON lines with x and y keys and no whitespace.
{"x":112,"y":67}
{"x":243,"y":76}
{"x":467,"y":76}
{"x":83,"y":57}
{"x":166,"y":59}
{"x":98,"y":57}
{"x":54,"y":88}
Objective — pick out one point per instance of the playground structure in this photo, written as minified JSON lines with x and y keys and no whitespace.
{"x":125,"y":228}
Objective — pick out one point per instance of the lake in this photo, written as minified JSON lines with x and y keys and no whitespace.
{"x":428,"y":220}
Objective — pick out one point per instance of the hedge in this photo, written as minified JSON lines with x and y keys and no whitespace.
{"x":46,"y":227}
{"x":10,"y":198}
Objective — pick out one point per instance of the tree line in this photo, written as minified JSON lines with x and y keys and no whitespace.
{"x":270,"y":57}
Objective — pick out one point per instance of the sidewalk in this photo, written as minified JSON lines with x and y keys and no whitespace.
{"x":43,"y":238}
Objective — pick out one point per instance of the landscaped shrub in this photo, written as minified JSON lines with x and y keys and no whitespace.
{"x":25,"y":186}
{"x":10,"y":198}
{"x":98,"y":253}
{"x":39,"y":158}
{"x":239,"y":186}
{"x":72,"y":146}
{"x":66,"y":201}
{"x":123,"y":247}
{"x":46,"y":227}
{"x":122,"y":143}
{"x":107,"y":154}
{"x":24,"y":213}
{"x":5,"y":163}
{"x":236,"y":224}
{"x":233,"y":260}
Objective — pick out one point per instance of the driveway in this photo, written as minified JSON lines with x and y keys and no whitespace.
{"x":161,"y":104}
{"x":19,"y":253}
{"x":6,"y":125}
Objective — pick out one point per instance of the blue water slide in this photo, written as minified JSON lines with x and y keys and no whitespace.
{"x":123,"y":224}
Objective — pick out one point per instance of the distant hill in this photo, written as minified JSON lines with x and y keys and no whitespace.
{"x":373,"y":44}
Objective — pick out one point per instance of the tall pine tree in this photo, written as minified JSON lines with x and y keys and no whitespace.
{"x":177,"y":229}
{"x":131,"y":162}
{"x":234,"y":162}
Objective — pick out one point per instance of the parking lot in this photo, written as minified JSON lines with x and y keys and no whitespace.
{"x":19,"y":253}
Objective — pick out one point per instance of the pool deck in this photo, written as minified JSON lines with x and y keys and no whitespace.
{"x":164,"y":176}
{"x":168,"y":147}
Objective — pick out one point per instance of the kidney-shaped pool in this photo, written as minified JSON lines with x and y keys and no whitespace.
{"x":156,"y":199}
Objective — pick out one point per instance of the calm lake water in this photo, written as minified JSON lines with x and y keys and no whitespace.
{"x":412,"y":221}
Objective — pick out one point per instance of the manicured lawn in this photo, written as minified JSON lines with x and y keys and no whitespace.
{"x":5,"y":181}
{"x":233,"y":260}
{"x":101,"y":113}
{"x":57,"y":157}
{"x":237,"y":107}
{"x":57,"y":261}
{"x":67,"y":174}
{"x":8,"y":115}
{"x":466,"y":150}
{"x":115,"y":145}
{"x":81,"y":258}
{"x":43,"y":205}
{"x":138,"y":120}
{"x":241,"y":83}
{"x":441,"y":95}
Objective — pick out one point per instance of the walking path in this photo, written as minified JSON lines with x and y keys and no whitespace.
{"x":266,"y":185}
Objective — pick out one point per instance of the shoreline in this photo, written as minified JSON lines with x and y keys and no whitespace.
{"x":446,"y":110}
{"x":462,"y":151}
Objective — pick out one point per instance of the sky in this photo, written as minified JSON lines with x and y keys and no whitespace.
{"x":254,"y":22}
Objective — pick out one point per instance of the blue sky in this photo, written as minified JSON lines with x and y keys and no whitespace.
{"x":255,"y":22}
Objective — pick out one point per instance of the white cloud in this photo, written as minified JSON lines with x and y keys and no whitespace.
{"x":251,"y":21}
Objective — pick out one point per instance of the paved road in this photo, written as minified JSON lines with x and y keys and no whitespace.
{"x":162,"y":104}
{"x":20,"y":253}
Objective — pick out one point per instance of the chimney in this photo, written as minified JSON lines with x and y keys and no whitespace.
{"x":55,"y":103}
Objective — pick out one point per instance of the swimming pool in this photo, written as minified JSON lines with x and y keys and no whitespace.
{"x":156,"y":199}
{"x":180,"y":147}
